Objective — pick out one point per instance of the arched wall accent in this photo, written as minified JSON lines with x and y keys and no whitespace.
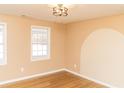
{"x":102,"y":56}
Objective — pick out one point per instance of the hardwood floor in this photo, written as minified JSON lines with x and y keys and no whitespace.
{"x":61,"y":79}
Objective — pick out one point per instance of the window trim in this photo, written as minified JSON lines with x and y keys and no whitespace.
{"x":49,"y":44}
{"x":5,"y":43}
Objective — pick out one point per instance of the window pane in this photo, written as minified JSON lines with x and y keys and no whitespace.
{"x":34,"y":46}
{"x":44,"y":53}
{"x":39,"y":42}
{"x":1,"y":55}
{"x":44,"y":47}
{"x":34,"y":53}
{"x":1,"y":26}
{"x":40,"y":47}
{"x":1,"y":48}
{"x":34,"y":35}
{"x":45,"y":36}
{"x":1,"y":61}
{"x":40,"y":53}
{"x":1,"y":32}
{"x":1,"y":38}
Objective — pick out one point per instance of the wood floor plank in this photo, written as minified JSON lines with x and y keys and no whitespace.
{"x":61,"y":79}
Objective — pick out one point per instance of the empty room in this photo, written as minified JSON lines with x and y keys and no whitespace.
{"x":61,"y":45}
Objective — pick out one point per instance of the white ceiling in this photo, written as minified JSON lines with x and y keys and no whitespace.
{"x":76,"y":13}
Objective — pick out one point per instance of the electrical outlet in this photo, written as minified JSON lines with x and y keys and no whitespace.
{"x":22,"y":69}
{"x":75,"y":65}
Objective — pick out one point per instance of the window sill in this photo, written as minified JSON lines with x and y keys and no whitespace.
{"x":40,"y":59}
{"x":2,"y":64}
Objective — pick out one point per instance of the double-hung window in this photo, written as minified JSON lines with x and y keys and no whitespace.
{"x":40,"y":40}
{"x":3,"y":54}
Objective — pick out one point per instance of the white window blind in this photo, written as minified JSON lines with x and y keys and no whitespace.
{"x":2,"y":44}
{"x":40,"y":43}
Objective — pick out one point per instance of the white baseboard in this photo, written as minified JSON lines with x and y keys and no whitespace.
{"x":89,"y":78}
{"x":29,"y":77}
{"x":51,"y":72}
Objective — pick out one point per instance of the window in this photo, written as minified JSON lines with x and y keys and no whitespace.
{"x":40,"y":43}
{"x":3,"y":55}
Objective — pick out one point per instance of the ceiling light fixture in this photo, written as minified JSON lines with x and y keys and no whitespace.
{"x":60,"y":10}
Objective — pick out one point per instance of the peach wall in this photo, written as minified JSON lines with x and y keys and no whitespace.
{"x":66,"y":43}
{"x":18,"y":44}
{"x":77,"y":33}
